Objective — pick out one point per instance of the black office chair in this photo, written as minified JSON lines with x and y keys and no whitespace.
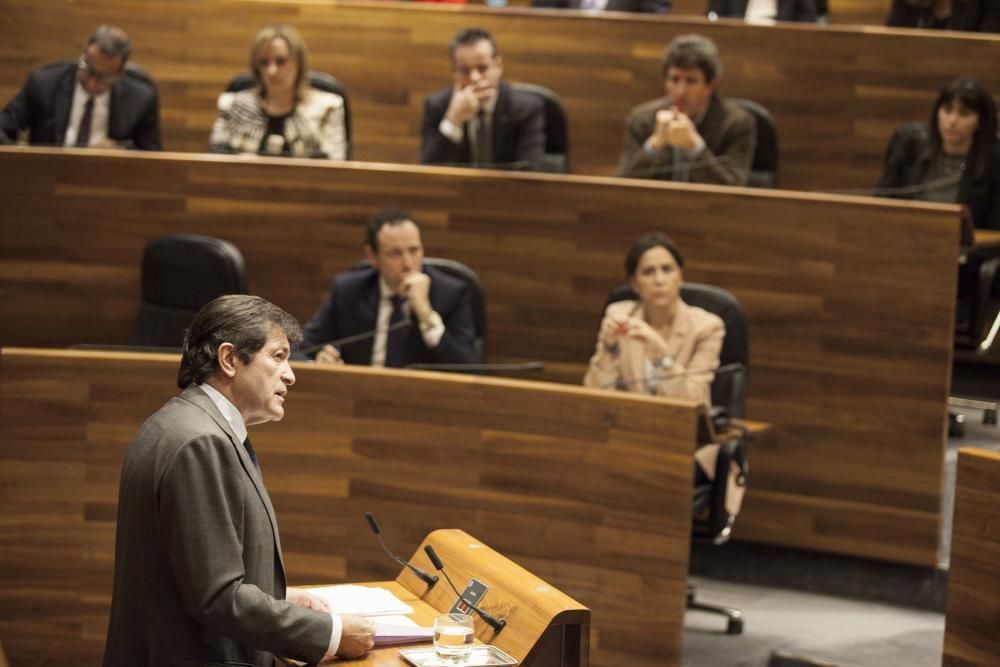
{"x":713,"y":511}
{"x":319,"y":81}
{"x":556,"y":158}
{"x":764,"y":170}
{"x":180,"y":274}
{"x":468,"y":276}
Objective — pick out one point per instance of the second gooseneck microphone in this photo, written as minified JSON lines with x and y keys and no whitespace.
{"x":486,"y":616}
{"x":429,"y":579}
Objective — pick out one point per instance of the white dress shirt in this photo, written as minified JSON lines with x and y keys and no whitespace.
{"x":235,"y":419}
{"x":431,"y":331}
{"x":98,"y":118}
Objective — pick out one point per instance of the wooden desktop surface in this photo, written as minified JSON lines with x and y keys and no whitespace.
{"x":589,"y":491}
{"x":850,"y":301}
{"x":973,"y":612}
{"x":836,"y":93}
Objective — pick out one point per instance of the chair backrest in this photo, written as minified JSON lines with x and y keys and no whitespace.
{"x":764,"y":170}
{"x":729,"y":390}
{"x":318,"y":80}
{"x":463,"y":273}
{"x":556,"y":158}
{"x":180,"y":274}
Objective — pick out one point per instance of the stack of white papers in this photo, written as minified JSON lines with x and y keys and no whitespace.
{"x":391,"y":623}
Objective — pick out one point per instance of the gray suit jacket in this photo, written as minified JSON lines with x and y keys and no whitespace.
{"x":730,"y":134}
{"x":198,"y":573}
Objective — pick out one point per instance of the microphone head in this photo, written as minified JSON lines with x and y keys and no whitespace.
{"x":435,"y":561}
{"x":372,"y":523}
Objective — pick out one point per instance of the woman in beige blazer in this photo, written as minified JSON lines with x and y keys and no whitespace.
{"x":657,"y":345}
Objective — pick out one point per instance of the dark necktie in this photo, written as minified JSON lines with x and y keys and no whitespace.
{"x":395,"y":343}
{"x":83,"y":131}
{"x":253,"y":455}
{"x":484,"y":143}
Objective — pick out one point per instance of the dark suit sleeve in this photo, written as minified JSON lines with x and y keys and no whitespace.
{"x":457,"y":344}
{"x":636,"y":161}
{"x":730,"y":161}
{"x":205,"y":512}
{"x":435,"y":148}
{"x":146,"y":135}
{"x":654,"y":6}
{"x":323,"y":326}
{"x":531,"y":134}
{"x":16,"y":116}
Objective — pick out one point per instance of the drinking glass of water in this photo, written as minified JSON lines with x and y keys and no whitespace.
{"x":453,"y":637}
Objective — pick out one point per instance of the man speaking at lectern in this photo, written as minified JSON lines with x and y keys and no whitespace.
{"x":199,"y":578}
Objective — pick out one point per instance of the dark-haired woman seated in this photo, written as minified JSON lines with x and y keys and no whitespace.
{"x":953,"y":158}
{"x":658,"y":344}
{"x":281,"y":115}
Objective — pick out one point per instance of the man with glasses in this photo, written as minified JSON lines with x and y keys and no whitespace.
{"x":92,"y":102}
{"x":481,"y":121}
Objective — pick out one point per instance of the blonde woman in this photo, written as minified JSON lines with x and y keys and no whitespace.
{"x":281,"y":115}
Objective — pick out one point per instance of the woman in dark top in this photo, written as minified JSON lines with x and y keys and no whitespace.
{"x":954,"y":158}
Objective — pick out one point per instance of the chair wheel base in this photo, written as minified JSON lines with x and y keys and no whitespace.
{"x":735,"y":626}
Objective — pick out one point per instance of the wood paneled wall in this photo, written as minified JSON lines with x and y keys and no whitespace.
{"x":850,"y":301}
{"x":588,"y":490}
{"x":973,"y":613}
{"x":836,"y":93}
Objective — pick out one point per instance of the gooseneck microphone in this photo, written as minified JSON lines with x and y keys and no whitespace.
{"x":429,"y":579}
{"x":356,"y":338}
{"x":486,"y":616}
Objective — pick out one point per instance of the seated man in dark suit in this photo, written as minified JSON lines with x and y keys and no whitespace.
{"x":691,"y":134}
{"x":481,"y":121}
{"x":644,"y":6}
{"x":90,"y":102}
{"x":803,"y":11}
{"x":413,"y":313}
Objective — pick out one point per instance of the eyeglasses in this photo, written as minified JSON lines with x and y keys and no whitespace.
{"x":91,"y":73}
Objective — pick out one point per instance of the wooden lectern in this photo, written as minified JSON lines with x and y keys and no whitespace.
{"x":545,"y":627}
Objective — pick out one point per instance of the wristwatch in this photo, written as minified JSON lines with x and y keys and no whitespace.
{"x":663,"y":363}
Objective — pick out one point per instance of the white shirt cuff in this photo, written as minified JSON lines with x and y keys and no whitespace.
{"x":450,"y":130}
{"x":336,"y":630}
{"x":697,"y":150}
{"x":432,"y":330}
{"x":648,"y":147}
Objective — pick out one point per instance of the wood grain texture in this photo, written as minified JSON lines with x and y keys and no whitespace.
{"x":973,"y":613}
{"x":836,"y":93}
{"x":588,"y":490}
{"x":850,"y":301}
{"x":531,"y":606}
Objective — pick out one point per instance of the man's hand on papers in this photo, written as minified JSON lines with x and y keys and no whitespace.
{"x":302,"y":598}
{"x":358,"y":637}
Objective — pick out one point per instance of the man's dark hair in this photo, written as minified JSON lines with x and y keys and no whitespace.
{"x":387,"y":216}
{"x":646,"y":242}
{"x":243,"y":320}
{"x":470,"y":37}
{"x":973,"y":96}
{"x":112,"y":41}
{"x":693,"y":51}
